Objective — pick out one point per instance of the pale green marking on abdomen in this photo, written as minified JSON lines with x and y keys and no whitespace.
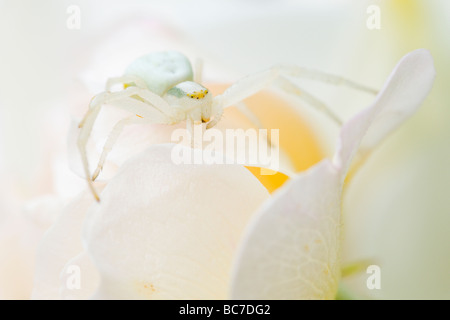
{"x":177,"y":92}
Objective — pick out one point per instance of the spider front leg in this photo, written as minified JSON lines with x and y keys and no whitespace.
{"x":242,"y":107}
{"x":140,"y":102}
{"x":277,"y":75}
{"x":289,"y":87}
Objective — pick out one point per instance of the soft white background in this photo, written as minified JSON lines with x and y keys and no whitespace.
{"x":400,"y":210}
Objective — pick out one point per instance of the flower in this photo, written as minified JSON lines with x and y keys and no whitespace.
{"x":213,"y":231}
{"x":395,"y":208}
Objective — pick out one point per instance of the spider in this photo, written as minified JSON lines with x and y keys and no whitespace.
{"x":160,"y":88}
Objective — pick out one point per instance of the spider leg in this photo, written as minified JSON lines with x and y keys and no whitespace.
{"x":242,"y":107}
{"x":198,"y":70}
{"x":245,"y":88}
{"x":123,"y":80}
{"x":85,"y":130}
{"x":111,"y":141}
{"x":128,"y":103}
{"x":129,"y":100}
{"x":138,"y":94}
{"x":190,"y":127}
{"x":289,"y":87}
{"x":300,"y":72}
{"x":217,"y":111}
{"x":277,"y":75}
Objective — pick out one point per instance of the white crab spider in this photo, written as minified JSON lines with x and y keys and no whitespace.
{"x":159,"y":88}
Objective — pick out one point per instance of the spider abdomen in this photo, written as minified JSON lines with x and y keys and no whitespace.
{"x":161,"y":70}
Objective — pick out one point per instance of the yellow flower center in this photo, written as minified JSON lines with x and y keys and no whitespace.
{"x":297,"y":141}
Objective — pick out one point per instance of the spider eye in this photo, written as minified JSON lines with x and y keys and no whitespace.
{"x":198,"y":94}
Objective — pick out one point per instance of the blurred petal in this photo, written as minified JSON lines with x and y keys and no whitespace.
{"x":403,"y":93}
{"x":166,"y":231}
{"x":61,"y":243}
{"x":18,"y":238}
{"x":43,"y":210}
{"x":291,"y":248}
{"x":17,"y":249}
{"x":21,"y":229}
{"x":81,"y":266}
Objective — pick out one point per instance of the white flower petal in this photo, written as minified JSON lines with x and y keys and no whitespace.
{"x":292,"y":246}
{"x":170,"y":231}
{"x":403,"y":93}
{"x":279,"y":257}
{"x":61,"y":243}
